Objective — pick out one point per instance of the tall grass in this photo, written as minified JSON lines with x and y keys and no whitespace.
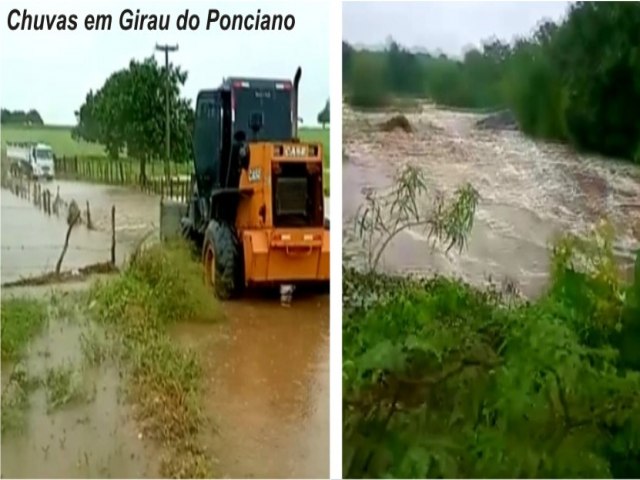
{"x":22,"y":318}
{"x":163,"y":285}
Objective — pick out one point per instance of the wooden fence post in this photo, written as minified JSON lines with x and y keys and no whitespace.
{"x":48,"y":202}
{"x":89,"y":224}
{"x":113,"y":235}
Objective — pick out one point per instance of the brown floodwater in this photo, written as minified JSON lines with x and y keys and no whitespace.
{"x":92,"y":437}
{"x":266,"y":366}
{"x":32,"y":241}
{"x":530,"y":192}
{"x":267,"y":387}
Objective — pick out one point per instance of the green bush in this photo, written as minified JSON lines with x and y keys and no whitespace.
{"x":443,"y":380}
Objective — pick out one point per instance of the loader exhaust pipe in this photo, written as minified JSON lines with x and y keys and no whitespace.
{"x":296,"y":83}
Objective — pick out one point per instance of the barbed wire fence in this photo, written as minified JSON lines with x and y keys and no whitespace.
{"x":42,"y":198}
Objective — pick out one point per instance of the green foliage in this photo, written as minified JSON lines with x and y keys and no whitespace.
{"x":324,"y":115}
{"x":22,"y":318}
{"x":161,"y":285}
{"x":443,"y":380}
{"x":128,"y":112}
{"x":19,"y":117}
{"x":572,"y":81}
{"x":15,"y":398}
{"x":383,"y":216}
{"x":64,"y":385}
{"x":369,"y":85}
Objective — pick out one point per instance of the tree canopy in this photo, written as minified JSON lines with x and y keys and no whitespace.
{"x":324,"y":115}
{"x":128,"y":113}
{"x":20,"y":117}
{"x":573,"y":81}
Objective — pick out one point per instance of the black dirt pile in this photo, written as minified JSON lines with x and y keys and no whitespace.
{"x":398,"y":122}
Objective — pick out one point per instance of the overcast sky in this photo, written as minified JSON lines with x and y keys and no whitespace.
{"x":447,"y":26}
{"x":53,"y":71}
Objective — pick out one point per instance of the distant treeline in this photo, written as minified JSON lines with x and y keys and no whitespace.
{"x":576,"y":81}
{"x":20,"y":117}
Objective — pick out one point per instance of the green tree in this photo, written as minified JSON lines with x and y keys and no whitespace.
{"x":324,"y":115}
{"x":20,"y":117}
{"x":128,"y":112}
{"x":369,"y":87}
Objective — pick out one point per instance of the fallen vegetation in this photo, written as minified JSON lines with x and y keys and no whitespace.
{"x":65,"y":276}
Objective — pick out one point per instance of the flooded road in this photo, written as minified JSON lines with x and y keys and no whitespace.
{"x":267,"y":387}
{"x":76,"y":423}
{"x":32,"y":241}
{"x":530,"y":191}
{"x":266,"y":366}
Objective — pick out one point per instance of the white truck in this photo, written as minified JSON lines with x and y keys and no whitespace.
{"x":34,"y":159}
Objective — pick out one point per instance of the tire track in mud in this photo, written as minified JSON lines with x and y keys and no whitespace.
{"x":530,"y":191}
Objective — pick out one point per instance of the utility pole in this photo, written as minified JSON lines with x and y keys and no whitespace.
{"x":166,"y":49}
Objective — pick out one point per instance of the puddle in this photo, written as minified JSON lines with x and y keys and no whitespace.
{"x":267,"y":387}
{"x":92,"y":436}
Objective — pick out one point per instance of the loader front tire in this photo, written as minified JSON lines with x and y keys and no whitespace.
{"x":221,"y":260}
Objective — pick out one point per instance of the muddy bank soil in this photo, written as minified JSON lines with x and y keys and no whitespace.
{"x":530,"y":191}
{"x":267,"y":387}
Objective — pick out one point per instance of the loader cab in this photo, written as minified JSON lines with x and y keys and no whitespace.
{"x":240,"y":109}
{"x":244,"y":111}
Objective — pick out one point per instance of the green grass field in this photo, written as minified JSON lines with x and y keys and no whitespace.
{"x":59,"y":138}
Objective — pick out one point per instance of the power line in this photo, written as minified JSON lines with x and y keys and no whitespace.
{"x":166,"y":49}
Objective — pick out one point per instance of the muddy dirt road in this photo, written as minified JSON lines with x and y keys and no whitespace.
{"x":530,"y":191}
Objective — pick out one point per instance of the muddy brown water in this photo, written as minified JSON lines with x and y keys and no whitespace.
{"x":93,"y":437}
{"x":32,"y":241}
{"x":530,"y":192}
{"x":266,"y":366}
{"x":267,"y":387}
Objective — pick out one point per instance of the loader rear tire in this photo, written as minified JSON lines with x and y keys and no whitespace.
{"x":221,"y":260}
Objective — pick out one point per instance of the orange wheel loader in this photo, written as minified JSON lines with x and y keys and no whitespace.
{"x":257,"y":210}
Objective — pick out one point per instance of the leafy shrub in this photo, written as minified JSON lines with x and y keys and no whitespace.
{"x":443,"y":380}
